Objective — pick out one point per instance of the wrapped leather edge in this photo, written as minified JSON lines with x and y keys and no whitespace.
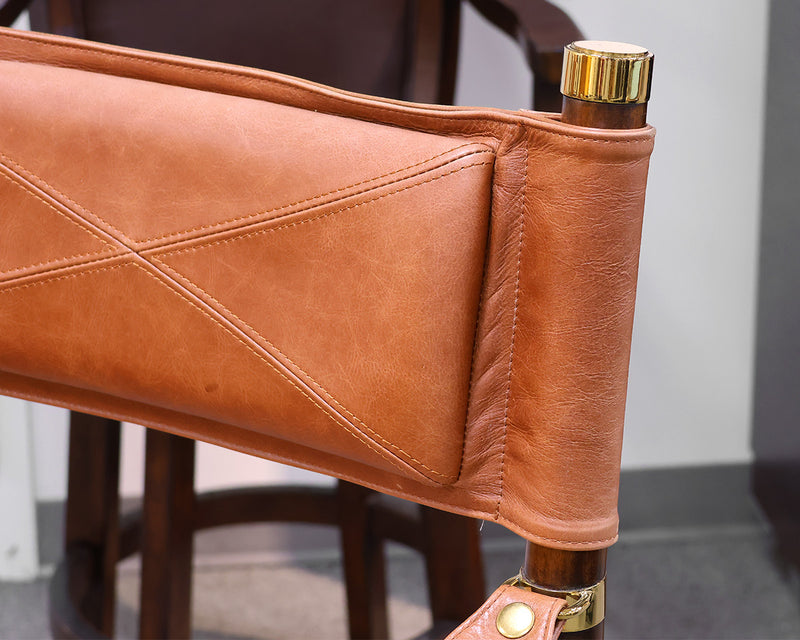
{"x":579,"y":239}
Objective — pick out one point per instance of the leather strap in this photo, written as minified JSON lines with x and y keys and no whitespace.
{"x":482,"y":625}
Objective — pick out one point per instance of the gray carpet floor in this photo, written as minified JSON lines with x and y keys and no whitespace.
{"x":701,"y":583}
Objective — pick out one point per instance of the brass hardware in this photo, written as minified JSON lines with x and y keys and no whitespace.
{"x":610,"y":72}
{"x":585,"y":608}
{"x":515,"y":620}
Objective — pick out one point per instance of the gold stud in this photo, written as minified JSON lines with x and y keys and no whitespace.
{"x":515,"y":620}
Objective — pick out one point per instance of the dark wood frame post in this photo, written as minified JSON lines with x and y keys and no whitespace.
{"x":167,"y":535}
{"x":91,"y":540}
{"x":556,"y":569}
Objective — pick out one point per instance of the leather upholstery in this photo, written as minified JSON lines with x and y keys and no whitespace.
{"x":432,"y":301}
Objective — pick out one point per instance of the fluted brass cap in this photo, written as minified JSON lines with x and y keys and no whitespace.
{"x":610,"y":72}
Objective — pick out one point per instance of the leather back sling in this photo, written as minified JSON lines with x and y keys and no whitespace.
{"x":432,"y":301}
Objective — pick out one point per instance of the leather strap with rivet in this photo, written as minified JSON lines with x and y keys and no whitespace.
{"x":513,"y":612}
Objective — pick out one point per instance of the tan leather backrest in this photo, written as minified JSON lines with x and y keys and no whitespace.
{"x":432,"y":301}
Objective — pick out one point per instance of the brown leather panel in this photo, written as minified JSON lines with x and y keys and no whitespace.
{"x":37,"y":235}
{"x":159,"y":181}
{"x":516,"y":415}
{"x":371,"y":302}
{"x":482,"y":625}
{"x":97,"y":329}
{"x":572,"y":330}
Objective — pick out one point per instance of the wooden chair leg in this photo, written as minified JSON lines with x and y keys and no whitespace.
{"x":364,"y":566}
{"x":92,"y":524}
{"x":456,"y":585}
{"x":566,"y":570}
{"x":167,"y":537}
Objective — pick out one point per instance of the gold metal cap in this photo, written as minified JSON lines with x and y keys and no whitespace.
{"x":611,"y":72}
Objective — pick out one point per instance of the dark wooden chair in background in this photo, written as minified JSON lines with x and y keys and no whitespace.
{"x":405,"y":49}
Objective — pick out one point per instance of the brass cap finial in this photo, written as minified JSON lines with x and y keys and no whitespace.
{"x":610,"y":72}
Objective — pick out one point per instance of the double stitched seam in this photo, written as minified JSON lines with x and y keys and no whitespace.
{"x":16,"y":270}
{"x":264,"y":212}
{"x":288,"y":459}
{"x":299,"y":371}
{"x":132,"y":252}
{"x":327,"y":214}
{"x":320,"y":388}
{"x":354,"y":432}
{"x":513,"y":335}
{"x":471,"y":387}
{"x":75,"y":208}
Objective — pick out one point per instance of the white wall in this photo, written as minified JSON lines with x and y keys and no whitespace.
{"x":691,"y":374}
{"x":691,"y":368}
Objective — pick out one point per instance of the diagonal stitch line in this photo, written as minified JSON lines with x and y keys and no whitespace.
{"x":286,"y":225}
{"x":449,"y":477}
{"x":307,"y":378}
{"x":263,"y":212}
{"x":54,"y":261}
{"x":244,"y":340}
{"x":225,"y":310}
{"x":21,"y":172}
{"x":266,"y":359}
{"x":41,"y":183}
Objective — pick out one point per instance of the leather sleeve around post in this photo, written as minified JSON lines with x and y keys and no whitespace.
{"x":432,"y":301}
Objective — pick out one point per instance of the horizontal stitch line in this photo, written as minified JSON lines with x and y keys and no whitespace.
{"x":321,"y":216}
{"x":64,"y":277}
{"x":287,"y":459}
{"x":310,"y":199}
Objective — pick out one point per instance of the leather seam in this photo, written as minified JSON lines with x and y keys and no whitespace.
{"x":320,"y":388}
{"x":365,"y":440}
{"x":445,"y":477}
{"x":371,"y":444}
{"x":513,"y":335}
{"x":34,"y":179}
{"x":327,"y":214}
{"x":15,"y":271}
{"x":262,"y":212}
{"x":300,"y":371}
{"x":478,"y":312}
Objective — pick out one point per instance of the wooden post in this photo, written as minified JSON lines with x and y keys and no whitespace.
{"x":167,"y":537}
{"x":605,"y":85}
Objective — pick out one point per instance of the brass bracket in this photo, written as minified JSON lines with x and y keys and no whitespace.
{"x":585,"y":608}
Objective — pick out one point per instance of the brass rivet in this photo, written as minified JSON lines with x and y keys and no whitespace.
{"x":515,"y":620}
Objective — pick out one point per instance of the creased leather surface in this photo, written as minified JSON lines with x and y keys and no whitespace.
{"x":482,"y":625}
{"x":432,"y":301}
